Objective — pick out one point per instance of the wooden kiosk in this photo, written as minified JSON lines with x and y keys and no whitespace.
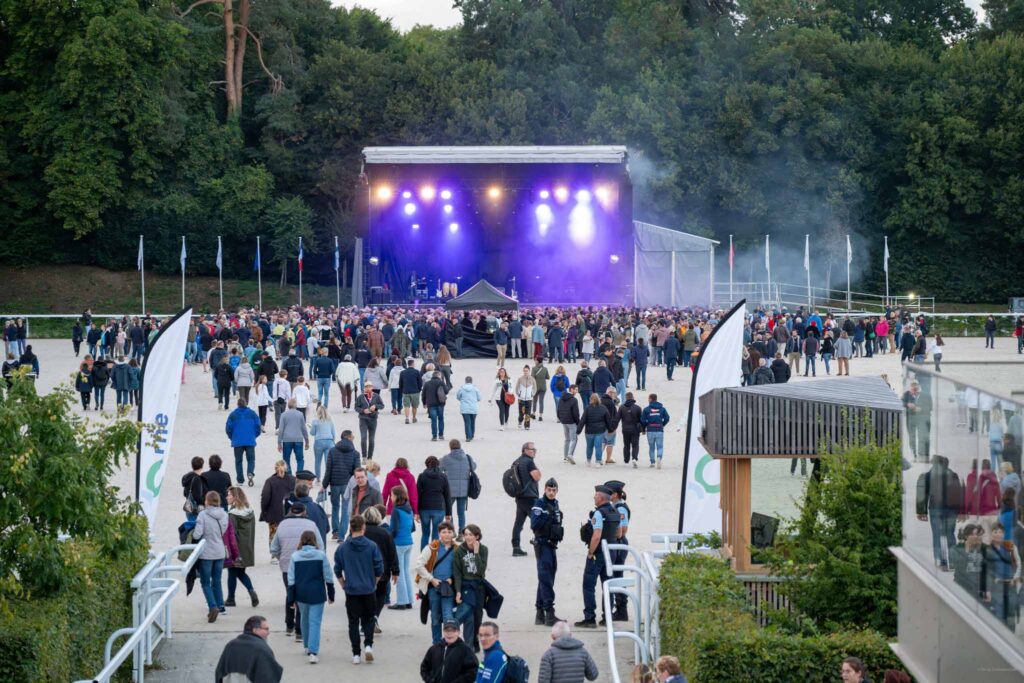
{"x":785,"y":421}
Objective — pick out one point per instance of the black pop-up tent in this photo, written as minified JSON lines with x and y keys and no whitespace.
{"x":482,"y":296}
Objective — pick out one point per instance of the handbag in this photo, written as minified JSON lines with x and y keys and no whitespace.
{"x":509,"y":398}
{"x":474,"y":485}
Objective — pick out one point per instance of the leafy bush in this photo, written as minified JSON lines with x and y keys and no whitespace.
{"x":706,"y":623}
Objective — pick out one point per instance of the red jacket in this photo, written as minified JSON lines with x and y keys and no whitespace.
{"x":406,"y":479}
{"x":982,"y":495}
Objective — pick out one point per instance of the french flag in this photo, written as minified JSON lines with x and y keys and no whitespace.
{"x":300,"y":254}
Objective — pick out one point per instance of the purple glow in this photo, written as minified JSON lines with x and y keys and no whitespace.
{"x":448,"y":208}
{"x":545,"y":217}
{"x":583,"y":197}
{"x":427,"y":192}
{"x":410,"y":209}
{"x":407,"y":195}
{"x":614,"y":258}
{"x":453,"y":227}
{"x":562,"y":194}
{"x":544,"y":194}
{"x":415,"y":226}
{"x":446,"y":194}
{"x":581,"y":225}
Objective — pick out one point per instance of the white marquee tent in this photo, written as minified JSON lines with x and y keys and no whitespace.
{"x":671,"y":268}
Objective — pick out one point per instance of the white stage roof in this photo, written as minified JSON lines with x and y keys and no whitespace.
{"x":598,"y":154}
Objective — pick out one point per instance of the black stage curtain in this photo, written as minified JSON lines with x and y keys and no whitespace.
{"x":474,"y":344}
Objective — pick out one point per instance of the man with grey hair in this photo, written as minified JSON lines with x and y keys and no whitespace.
{"x":292,"y":435}
{"x":566,"y":661}
{"x":249,"y":655}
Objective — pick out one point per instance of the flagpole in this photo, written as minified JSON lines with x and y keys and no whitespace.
{"x":183,"y":271}
{"x":849,"y":257}
{"x":730,"y":270}
{"x":142,"y":273}
{"x":886,"y":270}
{"x":337,"y":277}
{"x":300,"y":272}
{"x":768,"y":265}
{"x":220,"y":271}
{"x":259,"y":272}
{"x":807,"y":267}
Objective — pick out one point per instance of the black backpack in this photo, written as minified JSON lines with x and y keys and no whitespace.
{"x":473,"y":490}
{"x":516,"y":670}
{"x":560,"y":382}
{"x":511,"y":483}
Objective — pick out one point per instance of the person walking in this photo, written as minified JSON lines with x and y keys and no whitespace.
{"x":292,"y":436}
{"x":451,"y":660}
{"x":100,"y":379}
{"x":595,"y":422}
{"x":527,"y":474}
{"x":503,"y":394}
{"x":990,"y":332}
{"x":541,"y":377}
{"x":810,"y":348}
{"x":310,"y":585}
{"x":347,"y":377}
{"x":218,"y":480}
{"x":249,"y":656}
{"x":243,"y":429}
{"x":359,"y":566}
{"x":568,"y":411}
{"x":548,"y":532}
{"x":672,"y":349}
{"x":83,"y":381}
{"x":262,"y":400}
{"x":223,"y":376}
{"x":323,"y":435}
{"x":368,"y":407}
{"x":211,"y":526}
{"x":469,"y":399}
{"x":286,"y":542}
{"x":402,"y":528}
{"x":400,"y":475}
{"x":843,"y":351}
{"x":276,"y":489}
{"x":469,"y":571}
{"x":243,"y":525}
{"x":640,"y":355}
{"x":411,"y":384}
{"x":435,"y":395}
{"x":567,"y":660}
{"x":395,"y":368}
{"x":322,"y":369}
{"x":342,"y":461}
{"x":653,"y":418}
{"x":281,"y":394}
{"x":585,"y":382}
{"x":935,"y":349}
{"x":381,"y":535}
{"x":501,"y":340}
{"x":525,"y":389}
{"x":245,"y":378}
{"x":435,"y":501}
{"x":433,"y":573}
{"x":630,"y":417}
{"x":459,"y":468}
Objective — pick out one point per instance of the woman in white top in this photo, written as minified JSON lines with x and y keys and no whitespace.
{"x":348,"y":381}
{"x":588,"y":347}
{"x":396,"y":392}
{"x":270,"y":349}
{"x":935,"y":350}
{"x":281,"y":393}
{"x":525,"y":388}
{"x":301,"y":395}
{"x":262,"y":400}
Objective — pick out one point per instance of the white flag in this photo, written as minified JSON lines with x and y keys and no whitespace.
{"x":220,"y":263}
{"x":140,"y":253}
{"x":849,"y":251}
{"x":767,"y":258}
{"x":183,"y":254}
{"x":807,"y":253}
{"x":885,"y":262}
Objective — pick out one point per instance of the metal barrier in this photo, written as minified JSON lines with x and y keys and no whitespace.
{"x":153,"y":590}
{"x":641,"y":586}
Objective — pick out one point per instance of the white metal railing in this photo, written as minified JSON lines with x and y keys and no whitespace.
{"x":641,"y":586}
{"x":153,"y":589}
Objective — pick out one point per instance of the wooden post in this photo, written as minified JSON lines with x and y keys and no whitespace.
{"x":741,"y":514}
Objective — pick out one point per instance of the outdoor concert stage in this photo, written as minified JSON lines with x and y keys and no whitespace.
{"x":542,"y":224}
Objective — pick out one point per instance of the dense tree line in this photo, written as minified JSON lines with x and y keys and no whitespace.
{"x":239,"y":118}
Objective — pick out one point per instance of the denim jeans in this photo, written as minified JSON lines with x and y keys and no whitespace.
{"x":429,"y":519}
{"x":339,"y":511}
{"x":404,"y":587}
{"x":441,"y":610}
{"x":810,"y":365}
{"x":827,"y":357}
{"x":655,"y":444}
{"x":97,"y":396}
{"x":209,"y":578}
{"x":641,"y":377}
{"x":396,"y":400}
{"x":620,"y":387}
{"x":460,"y":510}
{"x":469,"y":421}
{"x":595,"y":442}
{"x":312,"y":616}
{"x":943,"y":523}
{"x":436,"y":421}
{"x":286,"y":453}
{"x":236,"y":574}
{"x":122,"y":397}
{"x":250,"y":454}
{"x":569,"y":444}
{"x":323,"y":390}
{"x":320,"y":448}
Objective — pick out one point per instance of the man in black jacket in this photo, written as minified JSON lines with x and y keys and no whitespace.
{"x":250,"y":656}
{"x":629,"y":417}
{"x":780,"y":368}
{"x":368,"y":406}
{"x":410,"y":384}
{"x":434,"y":397}
{"x":293,"y":366}
{"x":568,"y":411}
{"x":451,"y":661}
{"x":342,"y":461}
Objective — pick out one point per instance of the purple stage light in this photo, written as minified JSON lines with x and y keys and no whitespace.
{"x":562,"y":194}
{"x":453,"y":227}
{"x":426,"y":193}
{"x":614,"y":258}
{"x":545,"y":217}
{"x":407,"y":195}
{"x":581,"y":224}
{"x":415,"y":226}
{"x":544,"y":194}
{"x":583,"y":197}
{"x":446,"y":194}
{"x":410,"y":209}
{"x":448,"y":208}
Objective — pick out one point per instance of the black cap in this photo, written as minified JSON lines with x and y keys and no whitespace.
{"x":305,"y":475}
{"x":450,"y":625}
{"x":615,"y":485}
{"x":551,"y":482}
{"x":601,"y":488}
{"x":298,"y":508}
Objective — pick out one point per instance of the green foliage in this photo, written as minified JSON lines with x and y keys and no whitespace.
{"x":705,"y":623}
{"x":835,"y":555}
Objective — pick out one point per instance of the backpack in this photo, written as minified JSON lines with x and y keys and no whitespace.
{"x":510,"y":482}
{"x":516,"y":670}
{"x":560,"y":383}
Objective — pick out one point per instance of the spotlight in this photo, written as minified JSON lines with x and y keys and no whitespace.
{"x":426,"y":192}
{"x":383,"y":192}
{"x":494,"y":192}
{"x":446,"y":194}
{"x":614,"y":258}
{"x":581,"y":224}
{"x":448,"y":208}
{"x":544,"y":194}
{"x":374,"y":260}
{"x":453,"y":227}
{"x":604,"y":195}
{"x":410,"y":209}
{"x":583,"y":197}
{"x":562,"y":194}
{"x":545,"y":217}
{"x":415,"y":226}
{"x":407,"y":195}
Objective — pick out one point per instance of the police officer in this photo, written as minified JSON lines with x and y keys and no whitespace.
{"x":546,"y":522}
{"x":620,"y":612}
{"x":602,"y":526}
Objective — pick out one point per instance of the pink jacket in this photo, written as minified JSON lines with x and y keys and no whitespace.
{"x":882,"y":328}
{"x":981,"y":497}
{"x":231,"y":543}
{"x":405,"y":478}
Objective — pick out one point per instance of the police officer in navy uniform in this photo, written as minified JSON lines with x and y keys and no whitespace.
{"x":619,"y":613}
{"x":546,"y":522}
{"x":602,"y":526}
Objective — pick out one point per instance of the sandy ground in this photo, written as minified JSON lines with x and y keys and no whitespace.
{"x":653,"y":497}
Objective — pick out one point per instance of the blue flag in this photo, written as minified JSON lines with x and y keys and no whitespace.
{"x":256,"y":262}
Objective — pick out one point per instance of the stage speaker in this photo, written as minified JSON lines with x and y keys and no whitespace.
{"x":762,"y":530}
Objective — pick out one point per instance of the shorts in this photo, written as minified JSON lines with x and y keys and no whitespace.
{"x":410,"y":400}
{"x":609,"y":439}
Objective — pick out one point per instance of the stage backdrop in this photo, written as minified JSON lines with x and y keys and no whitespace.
{"x":159,"y":388}
{"x":718,"y":367}
{"x":672,"y":268}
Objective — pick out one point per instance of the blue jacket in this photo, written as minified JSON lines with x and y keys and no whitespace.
{"x":243,"y":427}
{"x":555,"y":391}
{"x":654,"y":417}
{"x":322,"y":367}
{"x":469,"y":397}
{"x":401,"y":525}
{"x":359,"y":563}
{"x":672,"y":347}
{"x":492,"y":668}
{"x":309,"y":576}
{"x":602,"y":380}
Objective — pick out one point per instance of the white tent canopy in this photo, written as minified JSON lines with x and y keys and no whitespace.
{"x":671,"y":268}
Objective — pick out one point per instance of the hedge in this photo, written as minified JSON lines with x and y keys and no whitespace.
{"x":61,"y":638}
{"x":706,"y":623}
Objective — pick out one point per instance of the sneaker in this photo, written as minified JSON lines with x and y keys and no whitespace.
{"x":356,"y":659}
{"x":376,"y":630}
{"x":572,"y":461}
{"x":273,"y":560}
{"x":634,"y":464}
{"x":290,"y":631}
{"x":651,"y":466}
{"x":230,"y":602}
{"x":298,"y":637}
{"x":659,"y":463}
{"x":406,"y":420}
{"x":368,"y":654}
{"x":313,"y":659}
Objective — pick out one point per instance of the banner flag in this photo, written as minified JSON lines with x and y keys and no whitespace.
{"x":300,"y":254}
{"x":807,"y":253}
{"x":159,"y":387}
{"x":337,"y":256}
{"x":140,"y":253}
{"x":183,"y":253}
{"x":849,"y":251}
{"x":718,"y":366}
{"x":885,"y":262}
{"x":767,"y":255}
{"x":220,"y":261}
{"x":256,"y":263}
